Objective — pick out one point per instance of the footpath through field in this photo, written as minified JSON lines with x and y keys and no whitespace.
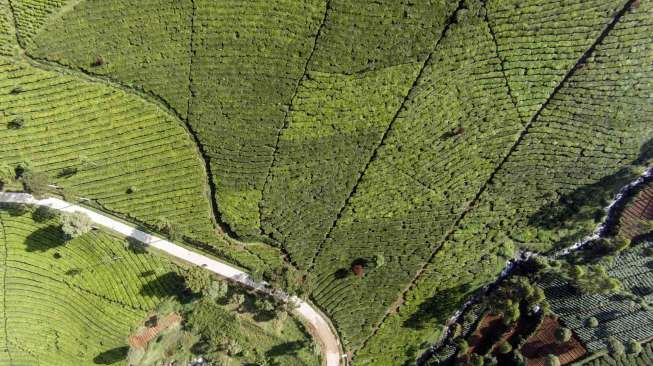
{"x":319,"y":325}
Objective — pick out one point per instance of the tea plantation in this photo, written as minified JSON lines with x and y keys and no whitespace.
{"x":74,"y":302}
{"x":397,"y":152}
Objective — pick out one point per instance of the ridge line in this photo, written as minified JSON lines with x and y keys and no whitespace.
{"x":450,"y":20}
{"x":285,"y":123}
{"x":470,"y":205}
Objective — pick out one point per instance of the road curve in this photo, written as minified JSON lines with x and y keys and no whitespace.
{"x":320,"y":328}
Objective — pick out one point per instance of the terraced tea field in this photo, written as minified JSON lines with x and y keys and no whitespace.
{"x":67,"y":303}
{"x":75,"y":302}
{"x":397,"y":152}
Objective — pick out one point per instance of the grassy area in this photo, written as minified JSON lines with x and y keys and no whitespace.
{"x":76,"y":301}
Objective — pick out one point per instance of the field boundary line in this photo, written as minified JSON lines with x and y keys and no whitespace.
{"x":285,"y":123}
{"x":323,"y":330}
{"x":450,"y":20}
{"x":469,"y":207}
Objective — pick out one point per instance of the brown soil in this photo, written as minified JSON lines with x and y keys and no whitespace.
{"x":543,"y":342}
{"x":143,"y":338}
{"x":636,"y":213}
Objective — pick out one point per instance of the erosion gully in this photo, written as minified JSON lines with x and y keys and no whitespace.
{"x":602,"y":230}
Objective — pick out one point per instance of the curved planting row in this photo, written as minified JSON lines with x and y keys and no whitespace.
{"x":125,"y":153}
{"x":552,"y":186}
{"x":70,"y":302}
{"x":407,"y":199}
{"x":148,"y":47}
{"x":32,"y":15}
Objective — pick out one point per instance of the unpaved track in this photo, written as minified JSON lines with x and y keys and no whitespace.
{"x":320,"y":328}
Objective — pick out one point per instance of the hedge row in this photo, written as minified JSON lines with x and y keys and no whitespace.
{"x":551,"y":190}
{"x":32,"y":15}
{"x":248,"y":59}
{"x":149,"y":45}
{"x":333,"y":129}
{"x":70,"y":302}
{"x":456,"y":124}
{"x":115,"y":140}
{"x":373,"y":34}
{"x":539,"y":41}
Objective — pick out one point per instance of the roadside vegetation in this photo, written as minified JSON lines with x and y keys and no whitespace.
{"x":92,"y":298}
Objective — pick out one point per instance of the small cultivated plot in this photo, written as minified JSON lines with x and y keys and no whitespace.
{"x":623,"y":312}
{"x":75,"y":300}
{"x":636,"y":219}
{"x":633,"y":356}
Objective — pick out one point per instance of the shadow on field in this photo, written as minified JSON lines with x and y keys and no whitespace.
{"x":288,"y":348}
{"x":443,"y":303}
{"x":111,"y":356}
{"x":44,"y":239}
{"x":587,"y":202}
{"x":169,"y":284}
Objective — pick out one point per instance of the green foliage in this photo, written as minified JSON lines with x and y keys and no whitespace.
{"x":634,"y":347}
{"x":615,"y":346}
{"x":592,"y":279}
{"x":44,"y":213}
{"x":562,"y":335}
{"x":198,"y":279}
{"x":551,"y":360}
{"x":476,"y":360}
{"x":462,"y":345}
{"x":75,"y":224}
{"x":334,"y":128}
{"x":36,"y":183}
{"x":592,"y":322}
{"x":505,"y":348}
{"x":81,"y":298}
{"x":7,"y":173}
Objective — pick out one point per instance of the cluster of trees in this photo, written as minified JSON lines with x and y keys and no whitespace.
{"x":511,"y":297}
{"x":590,"y":279}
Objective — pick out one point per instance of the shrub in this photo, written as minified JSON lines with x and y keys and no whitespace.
{"x":68,"y":172}
{"x":476,"y":360}
{"x":44,"y":213}
{"x":17,"y":90}
{"x":379,"y":260}
{"x":167,"y":227}
{"x":562,"y":335}
{"x":16,"y":123}
{"x":358,"y":270}
{"x":504,"y":348}
{"x":592,"y":322}
{"x":75,"y":224}
{"x":462,"y":345}
{"x":634,"y":347}
{"x":551,"y":360}
{"x":197,"y":279}
{"x":7,"y":174}
{"x":99,"y":61}
{"x":615,"y":347}
{"x":36,"y":183}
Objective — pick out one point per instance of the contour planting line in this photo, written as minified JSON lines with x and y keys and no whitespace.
{"x":482,"y":189}
{"x":4,"y":287}
{"x":285,"y":123}
{"x":145,"y":95}
{"x":450,"y":20}
{"x":321,"y":326}
{"x":502,"y":62}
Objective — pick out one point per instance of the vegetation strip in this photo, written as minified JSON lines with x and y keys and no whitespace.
{"x":582,"y":59}
{"x":373,"y":156}
{"x":328,"y":339}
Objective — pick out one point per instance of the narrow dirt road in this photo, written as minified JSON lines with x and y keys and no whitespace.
{"x":320,"y":328}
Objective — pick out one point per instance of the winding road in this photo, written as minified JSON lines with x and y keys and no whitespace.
{"x":319,"y":325}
